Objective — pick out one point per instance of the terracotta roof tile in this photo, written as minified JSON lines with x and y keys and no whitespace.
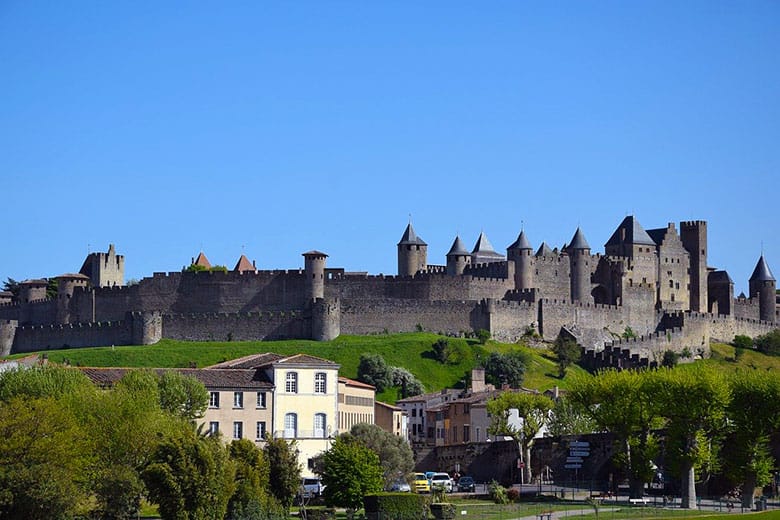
{"x":227,"y":378}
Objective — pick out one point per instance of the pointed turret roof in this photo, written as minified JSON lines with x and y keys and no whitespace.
{"x":410,"y":237}
{"x":202,"y":261}
{"x":458,"y":248}
{"x":631,"y":232}
{"x":483,"y":245}
{"x":244,"y":264}
{"x":761,"y":273}
{"x":544,"y":250}
{"x":521,"y":242}
{"x":578,"y":241}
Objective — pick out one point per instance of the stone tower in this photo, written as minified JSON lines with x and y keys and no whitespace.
{"x":32,"y":290}
{"x":521,"y":253}
{"x":457,"y":258}
{"x":763,"y":286}
{"x":104,"y":269}
{"x":694,"y":238}
{"x":579,"y":258}
{"x":314,"y":267}
{"x":412,"y":253}
{"x":66,"y":285}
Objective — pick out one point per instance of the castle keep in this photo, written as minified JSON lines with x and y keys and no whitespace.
{"x":650,"y":291}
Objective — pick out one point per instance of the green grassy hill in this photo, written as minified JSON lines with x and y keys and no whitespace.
{"x":412,"y":351}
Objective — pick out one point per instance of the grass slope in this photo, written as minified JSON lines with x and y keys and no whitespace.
{"x":412,"y":351}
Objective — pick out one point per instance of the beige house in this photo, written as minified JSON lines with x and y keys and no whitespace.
{"x":356,"y":403}
{"x":392,"y":419}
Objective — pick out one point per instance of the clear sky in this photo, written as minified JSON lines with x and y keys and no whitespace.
{"x":276,"y":128}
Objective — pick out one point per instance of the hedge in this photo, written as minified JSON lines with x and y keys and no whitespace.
{"x":395,"y":506}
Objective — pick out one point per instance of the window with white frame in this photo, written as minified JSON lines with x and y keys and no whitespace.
{"x":238,"y":399}
{"x":213,"y":399}
{"x":238,"y":430}
{"x":213,"y":428}
{"x":260,"y":430}
{"x":290,"y":425}
{"x":291,"y":383}
{"x":320,"y":382}
{"x":319,"y":425}
{"x":261,"y":399}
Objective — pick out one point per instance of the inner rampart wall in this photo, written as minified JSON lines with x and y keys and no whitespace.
{"x":561,"y":313}
{"x":509,"y":321}
{"x":552,"y":276}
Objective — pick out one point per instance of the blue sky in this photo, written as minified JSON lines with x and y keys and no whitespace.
{"x":276,"y":128}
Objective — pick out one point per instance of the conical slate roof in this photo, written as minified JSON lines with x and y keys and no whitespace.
{"x":544,"y":250}
{"x":244,"y":264}
{"x":458,"y":248}
{"x":483,"y":245}
{"x":521,"y":242}
{"x":410,"y":237}
{"x":761,"y":273}
{"x":633,"y":232}
{"x":578,"y":241}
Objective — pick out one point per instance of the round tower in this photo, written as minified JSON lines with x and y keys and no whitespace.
{"x":66,"y":285}
{"x":764,"y":287}
{"x":412,"y":253}
{"x":521,"y":253}
{"x":314,"y":267}
{"x":32,"y":290}
{"x":457,"y":258}
{"x":325,"y":319}
{"x":7,"y":334}
{"x":146,"y":327}
{"x":579,"y":258}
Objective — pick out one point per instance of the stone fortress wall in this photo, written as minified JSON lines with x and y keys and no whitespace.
{"x":652,"y":283}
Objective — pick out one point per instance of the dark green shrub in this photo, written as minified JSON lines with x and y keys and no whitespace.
{"x":398,"y":506}
{"x":741,"y":341}
{"x":497,"y":493}
{"x":443,"y":511}
{"x":513,"y":494}
{"x":769,"y":343}
{"x":483,"y":336}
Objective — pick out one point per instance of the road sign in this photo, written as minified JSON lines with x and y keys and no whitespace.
{"x":574,"y":453}
{"x":573,"y":459}
{"x":579,"y":444}
{"x":572,"y":466}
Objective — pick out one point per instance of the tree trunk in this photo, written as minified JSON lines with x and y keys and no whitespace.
{"x":527,"y":460}
{"x":636,"y":488}
{"x":688,"y":487}
{"x":749,"y":490}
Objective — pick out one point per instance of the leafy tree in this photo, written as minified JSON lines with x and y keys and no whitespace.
{"x":754,"y":415}
{"x":483,"y":336}
{"x":51,"y":288}
{"x":395,"y":454}
{"x":442,"y":350}
{"x":43,"y":381}
{"x":533,"y":410}
{"x":250,"y":499}
{"x":43,"y":457}
{"x":670,"y":359}
{"x":350,"y":471}
{"x":408,"y":384}
{"x":569,"y":418}
{"x":769,"y":343}
{"x":12,"y":286}
{"x":373,"y":370}
{"x":190,"y":477}
{"x":183,"y":396}
{"x":567,"y":351}
{"x":506,"y":368}
{"x":284,"y":470}
{"x":693,"y":402}
{"x":623,"y":404}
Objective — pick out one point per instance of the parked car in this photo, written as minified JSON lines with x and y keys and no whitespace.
{"x":311,"y":487}
{"x":420,"y":483}
{"x":466,"y":484}
{"x":441,"y":480}
{"x":400,"y":486}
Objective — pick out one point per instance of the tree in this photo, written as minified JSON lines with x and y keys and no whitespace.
{"x":442,"y":350}
{"x":693,"y":401}
{"x":506,"y":368}
{"x":670,"y":359}
{"x":567,"y":351}
{"x":622,"y":402}
{"x":483,"y":336}
{"x":408,"y":384}
{"x":43,"y":459}
{"x":373,"y":370}
{"x":183,"y":396}
{"x":769,"y":343}
{"x":350,"y":471}
{"x":190,"y":477}
{"x":43,"y":381}
{"x":395,"y":454}
{"x":568,"y":418}
{"x":284,"y":470}
{"x":12,"y":286}
{"x":250,"y":499}
{"x":754,"y":415}
{"x":533,"y":411}
{"x":741,"y":341}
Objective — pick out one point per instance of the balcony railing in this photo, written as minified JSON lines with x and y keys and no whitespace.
{"x":300,"y":434}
